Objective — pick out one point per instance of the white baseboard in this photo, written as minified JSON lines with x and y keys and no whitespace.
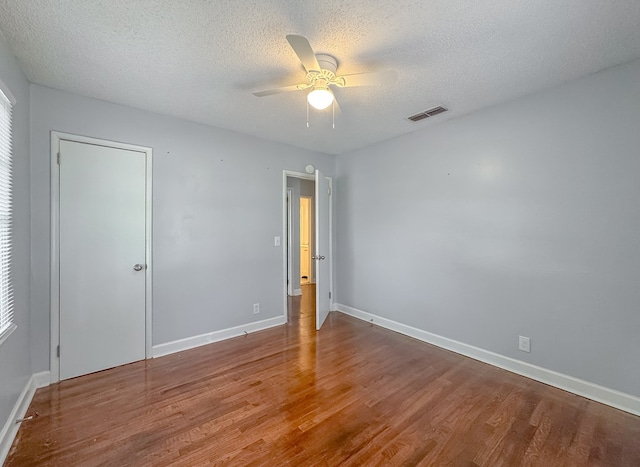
{"x":608,"y":396}
{"x":42,"y":379}
{"x":215,"y":336}
{"x":10,"y":429}
{"x":297,"y":292}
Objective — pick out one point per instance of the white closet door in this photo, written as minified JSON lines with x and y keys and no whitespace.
{"x":102,"y":257}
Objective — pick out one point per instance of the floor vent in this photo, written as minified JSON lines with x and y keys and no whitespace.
{"x":427,"y":113}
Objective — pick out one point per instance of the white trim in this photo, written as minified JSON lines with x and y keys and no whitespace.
{"x":297,"y":292}
{"x":42,"y":379}
{"x":289,"y":231}
{"x":10,"y":429}
{"x":608,"y":396}
{"x":54,"y":291}
{"x":8,"y":332}
{"x":7,"y":92}
{"x":305,"y":176}
{"x":215,"y":336}
{"x":54,"y":284}
{"x":331,"y":294}
{"x":148,"y":306}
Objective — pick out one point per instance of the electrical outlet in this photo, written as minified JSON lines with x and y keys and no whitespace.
{"x":524,"y":344}
{"x":256,"y":308}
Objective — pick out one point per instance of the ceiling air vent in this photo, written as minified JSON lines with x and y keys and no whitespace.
{"x":427,"y":113}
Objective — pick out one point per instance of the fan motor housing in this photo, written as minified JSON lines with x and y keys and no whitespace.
{"x":326,"y":74}
{"x":327,"y":62}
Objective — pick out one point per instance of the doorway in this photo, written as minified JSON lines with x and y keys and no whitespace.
{"x":306,"y":238}
{"x":101,"y":255}
{"x":300,"y":233}
{"x":303,"y":224}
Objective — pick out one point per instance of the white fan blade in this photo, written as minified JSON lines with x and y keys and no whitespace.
{"x":374,"y":78}
{"x":305,"y":53}
{"x":295,"y":87}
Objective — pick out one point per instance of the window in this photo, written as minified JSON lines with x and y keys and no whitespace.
{"x":6,"y":286}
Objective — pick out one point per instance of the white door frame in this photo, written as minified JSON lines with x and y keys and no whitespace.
{"x":289,"y":241}
{"x":54,"y":292}
{"x":305,"y":176}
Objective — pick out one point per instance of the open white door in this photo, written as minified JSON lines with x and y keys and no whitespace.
{"x":322,"y":256}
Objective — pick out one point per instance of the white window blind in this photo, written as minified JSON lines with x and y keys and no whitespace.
{"x":6,"y":285}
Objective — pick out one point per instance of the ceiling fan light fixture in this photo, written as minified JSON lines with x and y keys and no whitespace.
{"x":320,"y":98}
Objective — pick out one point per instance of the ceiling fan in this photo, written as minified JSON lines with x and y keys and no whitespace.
{"x":321,"y":73}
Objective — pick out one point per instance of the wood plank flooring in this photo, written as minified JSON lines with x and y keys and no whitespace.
{"x":352,"y":394}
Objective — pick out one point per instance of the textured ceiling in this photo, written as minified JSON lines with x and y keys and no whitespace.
{"x":202,"y":59}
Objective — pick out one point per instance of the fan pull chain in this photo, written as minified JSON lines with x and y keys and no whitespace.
{"x":333,"y":112}
{"x":307,"y":113}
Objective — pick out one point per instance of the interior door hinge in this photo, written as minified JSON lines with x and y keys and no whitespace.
{"x":329,"y":294}
{"x":58,"y":351}
{"x":58,"y":159}
{"x":329,"y":191}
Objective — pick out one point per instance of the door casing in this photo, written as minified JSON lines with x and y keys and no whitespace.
{"x":54,"y":292}
{"x":305,"y":176}
{"x":289,"y":241}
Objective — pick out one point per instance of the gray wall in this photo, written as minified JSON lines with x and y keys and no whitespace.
{"x":15,"y":357}
{"x":217,"y":206}
{"x":307,"y":188}
{"x":523,"y":219}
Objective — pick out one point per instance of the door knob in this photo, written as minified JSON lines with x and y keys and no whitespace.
{"x":314,"y":257}
{"x":321,"y":257}
{"x":138,"y":267}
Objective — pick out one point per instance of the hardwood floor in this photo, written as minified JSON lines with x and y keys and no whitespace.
{"x":351,"y":394}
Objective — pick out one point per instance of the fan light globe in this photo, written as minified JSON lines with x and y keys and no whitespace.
{"x":320,"y":98}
